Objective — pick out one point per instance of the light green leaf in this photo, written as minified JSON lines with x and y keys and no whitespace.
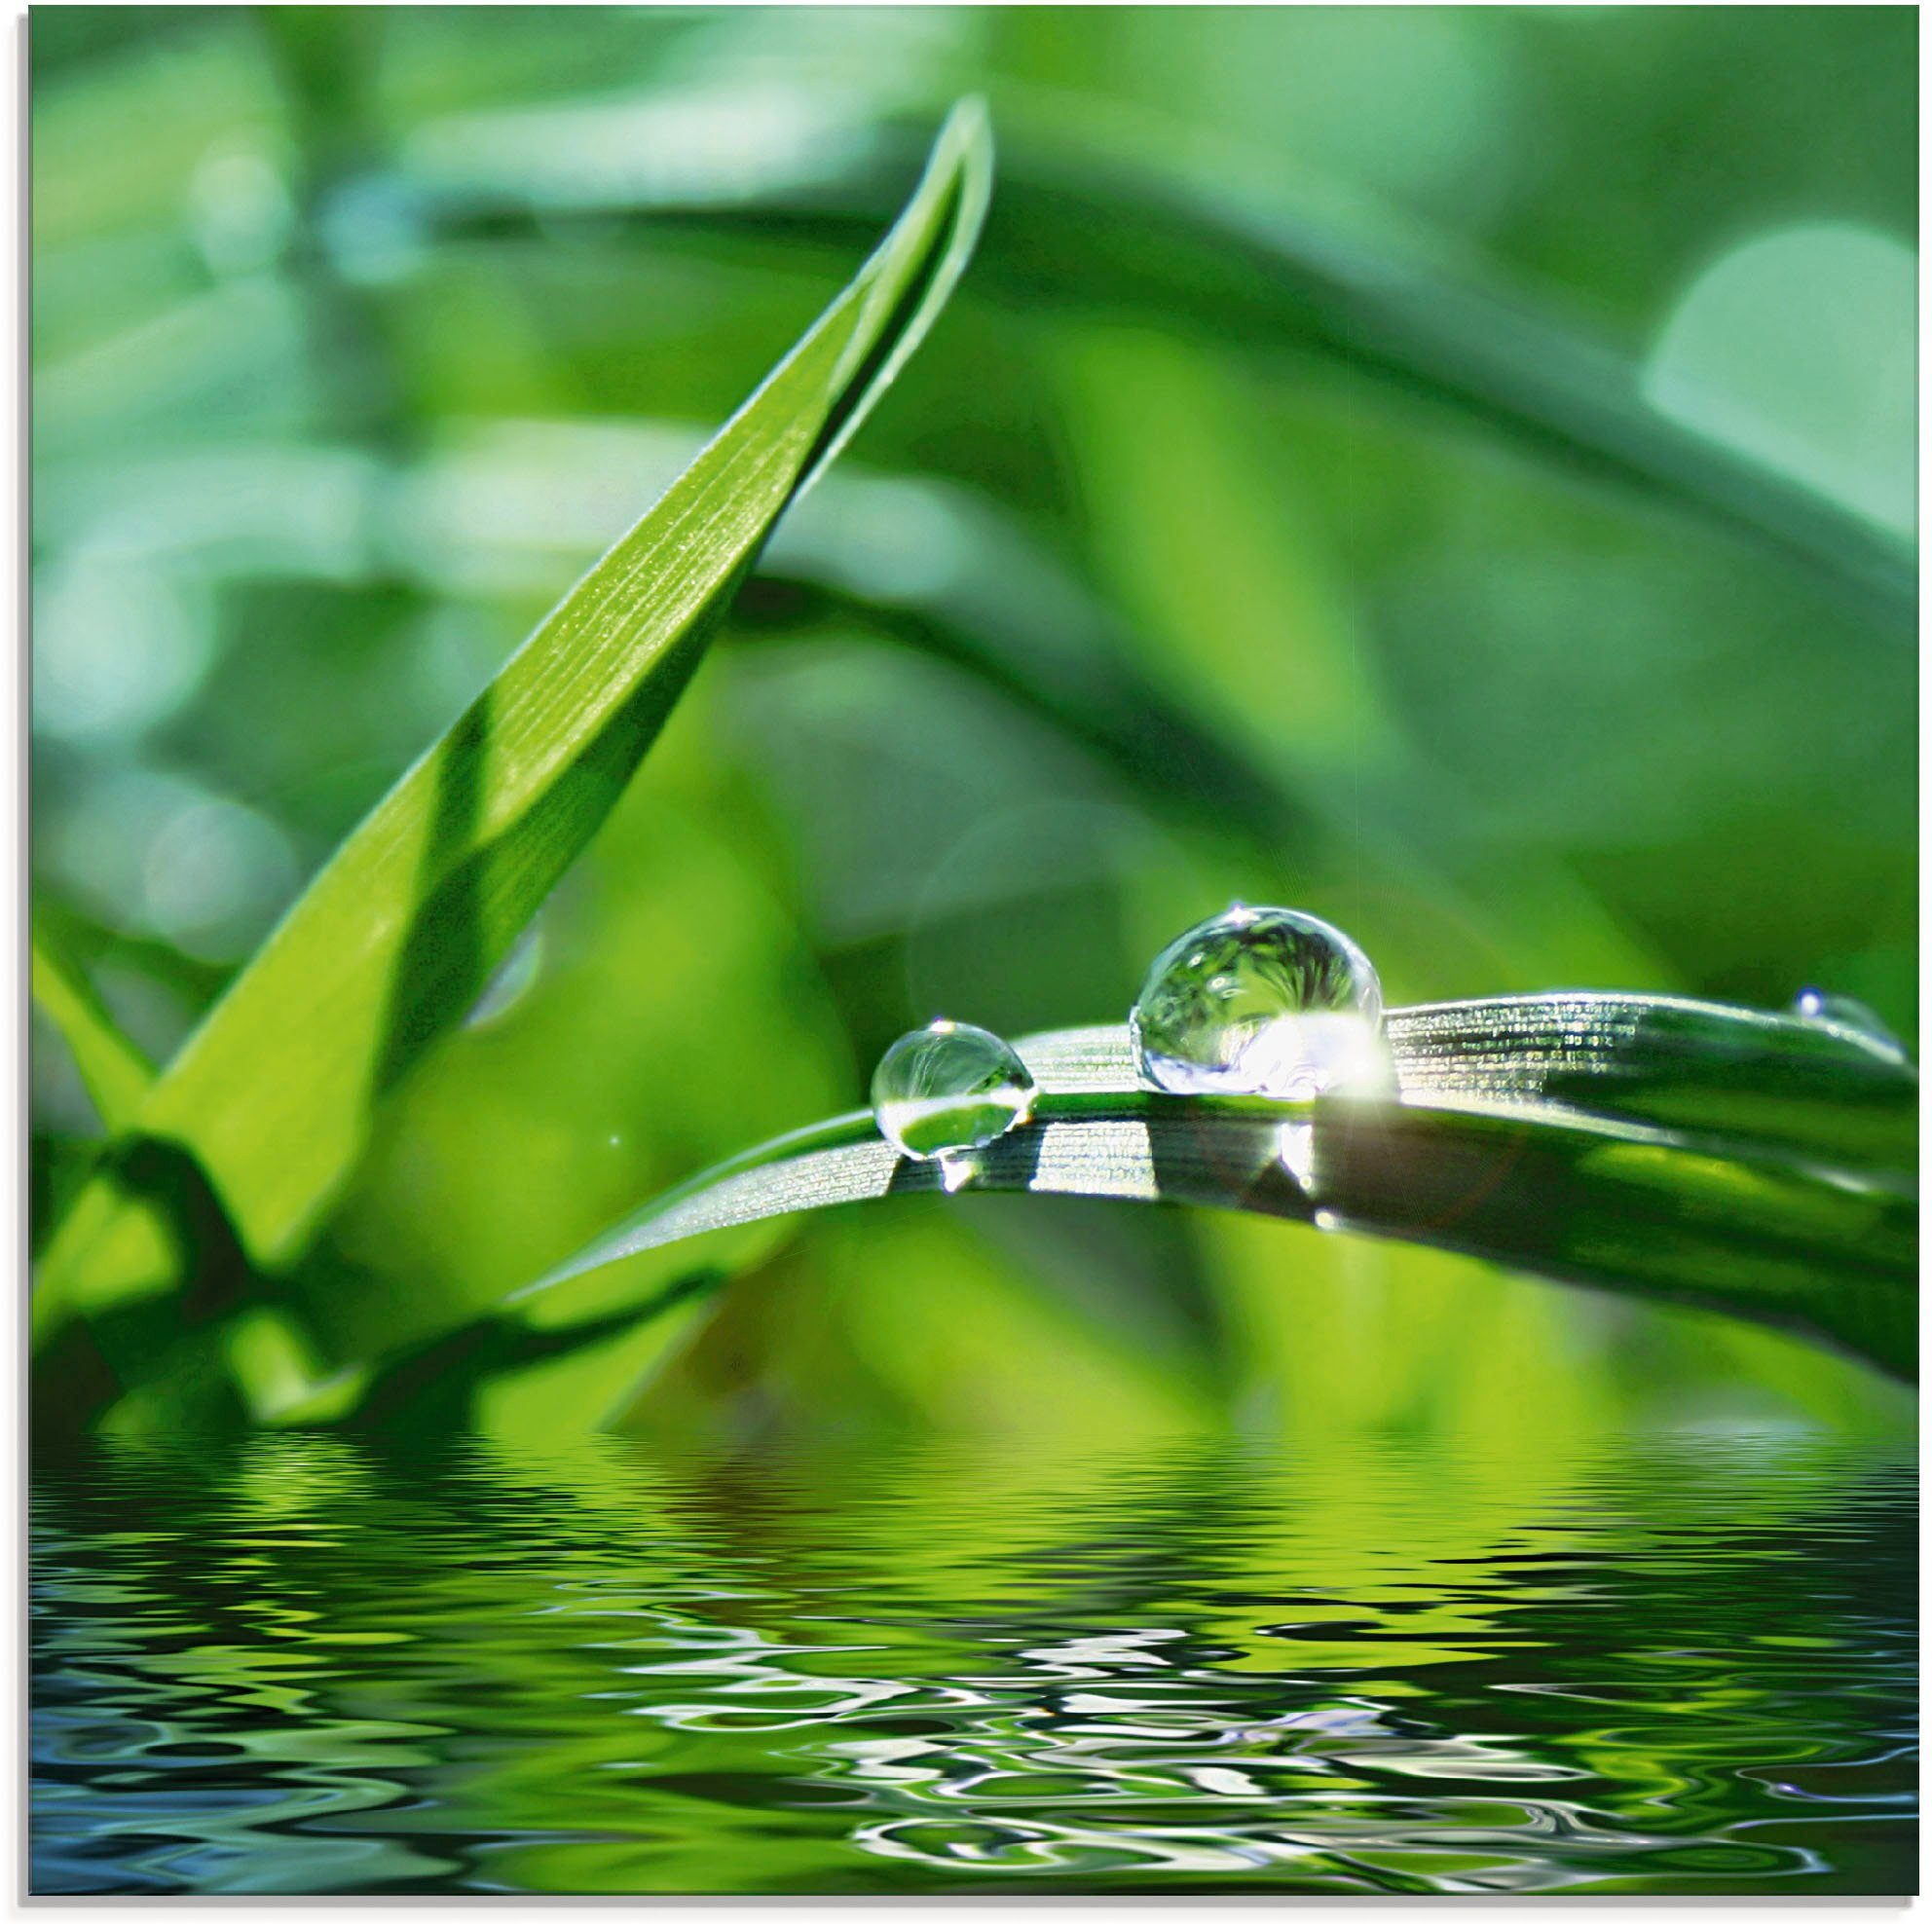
{"x":1756,"y":1165}
{"x":267,"y":1107}
{"x":116,"y":1072}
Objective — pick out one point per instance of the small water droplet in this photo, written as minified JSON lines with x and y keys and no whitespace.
{"x":514,"y":978}
{"x":1261,"y":1002}
{"x":949,"y":1086}
{"x":1847,"y":1012}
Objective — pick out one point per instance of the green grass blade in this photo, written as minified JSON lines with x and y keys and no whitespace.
{"x":1782,"y":1192}
{"x":116,"y":1072}
{"x":267,"y":1108}
{"x":1259,"y":274}
{"x":1781,"y":1189}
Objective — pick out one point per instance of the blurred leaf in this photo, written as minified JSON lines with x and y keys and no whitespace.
{"x":268,"y":1106}
{"x":1779,"y":1189}
{"x":1245,"y":611}
{"x":931,"y":567}
{"x":442,"y":1382}
{"x":1231,"y":262}
{"x":871,"y":1333}
{"x":116,"y":1072}
{"x":1109,"y":236}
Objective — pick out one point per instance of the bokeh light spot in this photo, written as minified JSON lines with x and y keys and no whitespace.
{"x":1800,"y":347}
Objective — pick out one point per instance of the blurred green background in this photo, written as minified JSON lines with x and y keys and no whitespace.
{"x":358,"y":333}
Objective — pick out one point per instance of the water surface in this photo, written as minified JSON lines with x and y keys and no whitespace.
{"x":1679,"y":1662}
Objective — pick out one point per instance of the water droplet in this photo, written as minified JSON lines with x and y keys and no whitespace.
{"x":514,"y":977}
{"x":1845,"y":1011}
{"x":949,"y":1086}
{"x":1261,"y":1002}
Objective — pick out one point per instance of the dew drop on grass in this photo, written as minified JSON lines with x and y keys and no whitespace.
{"x":1262,"y":1002}
{"x":513,"y":978}
{"x":949,"y":1086}
{"x":1845,"y":1011}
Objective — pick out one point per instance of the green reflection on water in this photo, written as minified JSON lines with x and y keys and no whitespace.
{"x":1681,"y":1661}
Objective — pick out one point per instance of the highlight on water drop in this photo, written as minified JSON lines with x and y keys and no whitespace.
{"x":1269,"y":1002}
{"x":949,"y":1086}
{"x":1847,"y":1012}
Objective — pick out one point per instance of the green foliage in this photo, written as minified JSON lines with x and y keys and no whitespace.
{"x":1780,"y":1189}
{"x":271,"y":1099}
{"x":1287,"y":508}
{"x":1084,"y":225}
{"x":1445,"y":469}
{"x":116,"y":1072}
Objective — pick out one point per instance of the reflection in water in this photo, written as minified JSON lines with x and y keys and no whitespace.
{"x":298,"y":1664}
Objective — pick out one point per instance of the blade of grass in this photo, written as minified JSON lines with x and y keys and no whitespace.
{"x":1259,"y":273}
{"x":1780,"y":1189}
{"x":116,"y":1072}
{"x":1781,"y":1193}
{"x":268,"y":1106}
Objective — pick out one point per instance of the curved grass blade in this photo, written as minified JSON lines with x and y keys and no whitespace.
{"x":1531,"y":1131}
{"x":268,"y":1106}
{"x":1103,"y":230}
{"x":1260,"y":273}
{"x":115,"y":1070}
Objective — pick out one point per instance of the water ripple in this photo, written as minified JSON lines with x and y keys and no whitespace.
{"x":300,"y":1664}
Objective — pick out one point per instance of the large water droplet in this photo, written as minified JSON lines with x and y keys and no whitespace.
{"x":1262,"y":1002}
{"x":949,"y":1086}
{"x":1847,"y":1012}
